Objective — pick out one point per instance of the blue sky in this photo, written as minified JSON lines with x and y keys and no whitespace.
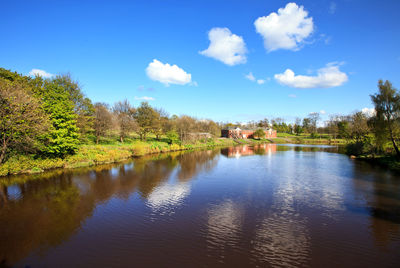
{"x":335,"y":52}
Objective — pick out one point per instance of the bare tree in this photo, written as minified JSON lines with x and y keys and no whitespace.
{"x":102,"y":121}
{"x":124,"y":113}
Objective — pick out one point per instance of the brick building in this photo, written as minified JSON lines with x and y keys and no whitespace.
{"x":237,"y":133}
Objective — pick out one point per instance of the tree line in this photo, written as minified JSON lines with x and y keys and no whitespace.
{"x":51,"y":117}
{"x":366,"y":133}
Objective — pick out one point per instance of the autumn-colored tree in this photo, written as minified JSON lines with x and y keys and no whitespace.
{"x":22,"y":120}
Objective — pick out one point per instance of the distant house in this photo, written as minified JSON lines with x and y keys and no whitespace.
{"x":237,"y":133}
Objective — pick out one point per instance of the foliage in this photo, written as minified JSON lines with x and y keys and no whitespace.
{"x":173,"y":137}
{"x":387,"y":119}
{"x":259,"y":133}
{"x":147,"y":118}
{"x":63,"y":137}
{"x":22,"y":120}
{"x":83,"y":106}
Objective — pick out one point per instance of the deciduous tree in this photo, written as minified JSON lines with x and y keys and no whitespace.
{"x":387,"y":107}
{"x":102,"y":120}
{"x":124,"y":113}
{"x":22,"y":120}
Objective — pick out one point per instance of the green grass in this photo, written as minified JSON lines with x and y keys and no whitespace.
{"x":307,"y":139}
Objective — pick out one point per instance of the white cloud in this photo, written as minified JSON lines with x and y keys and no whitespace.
{"x":168,"y":196}
{"x":167,"y":74}
{"x":292,"y":96}
{"x":42,"y":73}
{"x":322,"y":112}
{"x":286,"y":30}
{"x":145,"y":98}
{"x":329,"y":76}
{"x":226,"y":47}
{"x":332,"y":7}
{"x":368,"y":111}
{"x":251,"y":77}
{"x":260,"y":81}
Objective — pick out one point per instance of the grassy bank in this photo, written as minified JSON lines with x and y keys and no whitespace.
{"x":322,"y":139}
{"x":91,"y":155}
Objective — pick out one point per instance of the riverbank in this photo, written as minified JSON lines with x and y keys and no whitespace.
{"x":91,"y":155}
{"x":386,"y":161}
{"x":307,"y":139}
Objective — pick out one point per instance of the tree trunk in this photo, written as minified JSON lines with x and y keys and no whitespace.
{"x":97,"y":140}
{"x":394,"y":145}
{"x":121,"y":139}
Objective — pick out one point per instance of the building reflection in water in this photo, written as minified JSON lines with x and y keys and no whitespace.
{"x":246,"y":150}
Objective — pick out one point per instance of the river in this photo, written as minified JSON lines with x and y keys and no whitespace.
{"x":264,"y":206}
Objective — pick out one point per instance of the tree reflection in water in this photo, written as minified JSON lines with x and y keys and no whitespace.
{"x":278,"y":206}
{"x":52,"y":206}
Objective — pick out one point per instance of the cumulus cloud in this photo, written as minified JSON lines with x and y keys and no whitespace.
{"x":322,"y":112}
{"x":329,"y":76}
{"x":167,"y":74}
{"x":368,"y":111}
{"x":286,"y":29}
{"x":42,"y":73}
{"x":226,"y":47}
{"x":145,"y":98}
{"x":250,"y":76}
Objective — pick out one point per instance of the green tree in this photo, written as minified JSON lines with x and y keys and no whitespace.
{"x":297,"y":128}
{"x":22,"y":120}
{"x":259,"y":133}
{"x":146,"y":118}
{"x":63,"y":137}
{"x":173,"y":137}
{"x":359,"y":127}
{"x":387,"y":107}
{"x":83,"y":106}
{"x":160,"y":124}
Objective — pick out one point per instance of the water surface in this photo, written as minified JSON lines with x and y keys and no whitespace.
{"x":263,"y":206}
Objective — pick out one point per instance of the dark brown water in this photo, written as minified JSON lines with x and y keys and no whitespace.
{"x":267,"y":206}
